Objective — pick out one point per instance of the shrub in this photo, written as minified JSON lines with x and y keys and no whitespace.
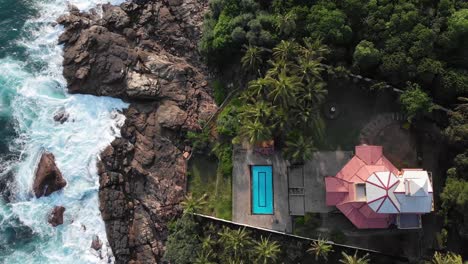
{"x":200,"y":140}
{"x":366,"y":56}
{"x":182,"y":243}
{"x":224,"y":154}
{"x":228,"y":123}
{"x":220,"y":92}
{"x":414,"y":101}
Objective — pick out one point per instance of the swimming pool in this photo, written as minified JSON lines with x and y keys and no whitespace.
{"x":262,"y":189}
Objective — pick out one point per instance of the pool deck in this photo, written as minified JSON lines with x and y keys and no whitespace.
{"x":241,"y":201}
{"x":308,"y":178}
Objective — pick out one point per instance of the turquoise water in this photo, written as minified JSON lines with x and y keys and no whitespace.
{"x":32,"y":90}
{"x":262,"y":189}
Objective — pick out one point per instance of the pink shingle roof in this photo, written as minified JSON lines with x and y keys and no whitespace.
{"x":367,"y":161}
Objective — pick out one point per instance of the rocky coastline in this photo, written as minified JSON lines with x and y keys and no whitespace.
{"x":144,"y":52}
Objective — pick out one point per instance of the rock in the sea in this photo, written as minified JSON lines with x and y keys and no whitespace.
{"x":96,"y":244}
{"x":48,"y":177}
{"x":56,"y":216}
{"x":61,"y":116}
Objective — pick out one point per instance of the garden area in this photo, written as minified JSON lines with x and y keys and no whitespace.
{"x":298,"y":62}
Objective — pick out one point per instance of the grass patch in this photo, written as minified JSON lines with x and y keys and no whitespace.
{"x":204,"y":177}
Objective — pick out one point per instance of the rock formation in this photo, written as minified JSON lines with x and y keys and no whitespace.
{"x":48,"y":177}
{"x":56,"y":216}
{"x":61,"y":116}
{"x":96,"y":244}
{"x":145,"y":53}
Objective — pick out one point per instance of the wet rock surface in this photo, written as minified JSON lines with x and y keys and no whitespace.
{"x":145,"y":53}
{"x":96,"y":244}
{"x":48,"y":177}
{"x":56,"y":216}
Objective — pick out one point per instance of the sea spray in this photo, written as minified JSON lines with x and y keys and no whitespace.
{"x":32,"y":91}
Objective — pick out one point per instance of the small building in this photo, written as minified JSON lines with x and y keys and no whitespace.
{"x":372,"y":193}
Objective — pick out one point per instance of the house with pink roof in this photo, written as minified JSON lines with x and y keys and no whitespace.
{"x":372,"y":193}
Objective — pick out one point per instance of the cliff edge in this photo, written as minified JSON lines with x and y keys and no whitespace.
{"x":144,"y":52}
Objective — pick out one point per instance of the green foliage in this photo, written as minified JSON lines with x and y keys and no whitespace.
{"x":454,"y":199}
{"x":330,"y":23}
{"x":414,"y":101}
{"x":227,"y":123}
{"x":320,"y":248}
{"x":441,"y":238}
{"x":252,"y":59}
{"x":458,"y":23}
{"x":298,"y":148}
{"x":366,"y":56}
{"x":354,"y":259}
{"x":224,"y":154}
{"x":447,"y":258}
{"x":220,"y":92}
{"x":200,"y":140}
{"x":182,"y":243}
{"x":288,"y":96}
{"x":266,"y":251}
{"x":236,"y":243}
{"x":193,"y":205}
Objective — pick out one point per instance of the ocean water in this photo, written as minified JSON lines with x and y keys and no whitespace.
{"x":32,"y":90}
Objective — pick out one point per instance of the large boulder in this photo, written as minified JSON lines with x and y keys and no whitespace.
{"x":48,"y":177}
{"x":56,"y":216}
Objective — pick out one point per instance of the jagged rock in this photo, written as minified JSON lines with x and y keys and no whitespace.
{"x":144,"y":52}
{"x":48,"y":177}
{"x":115,"y":17}
{"x":56,"y":216}
{"x":170,"y":115}
{"x":96,"y":244}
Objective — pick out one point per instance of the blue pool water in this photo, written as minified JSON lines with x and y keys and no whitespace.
{"x":262,"y":189}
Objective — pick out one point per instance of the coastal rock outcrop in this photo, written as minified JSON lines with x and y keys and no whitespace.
{"x":48,"y":177}
{"x":56,"y":216}
{"x":145,"y":53}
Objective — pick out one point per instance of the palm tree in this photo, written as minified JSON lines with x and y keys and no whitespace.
{"x":266,"y":251}
{"x":207,"y":243}
{"x":260,"y":111}
{"x":205,"y":257}
{"x":286,"y":51}
{"x":252,"y":59}
{"x":449,"y":258}
{"x":314,"y":92}
{"x":320,"y":248}
{"x":314,"y":49}
{"x":310,"y":70}
{"x":278,"y":66}
{"x":284,"y":89}
{"x":235,"y":241}
{"x":256,"y":89}
{"x":192,"y":205}
{"x":354,"y":259}
{"x":255,"y":131}
{"x":298,"y":147}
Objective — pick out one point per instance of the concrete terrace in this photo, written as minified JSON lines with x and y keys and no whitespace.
{"x":297,"y":189}
{"x":241,"y":194}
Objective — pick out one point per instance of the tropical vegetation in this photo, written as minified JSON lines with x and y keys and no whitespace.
{"x":288,"y":51}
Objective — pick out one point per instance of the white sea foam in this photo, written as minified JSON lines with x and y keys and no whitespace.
{"x":33,"y":99}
